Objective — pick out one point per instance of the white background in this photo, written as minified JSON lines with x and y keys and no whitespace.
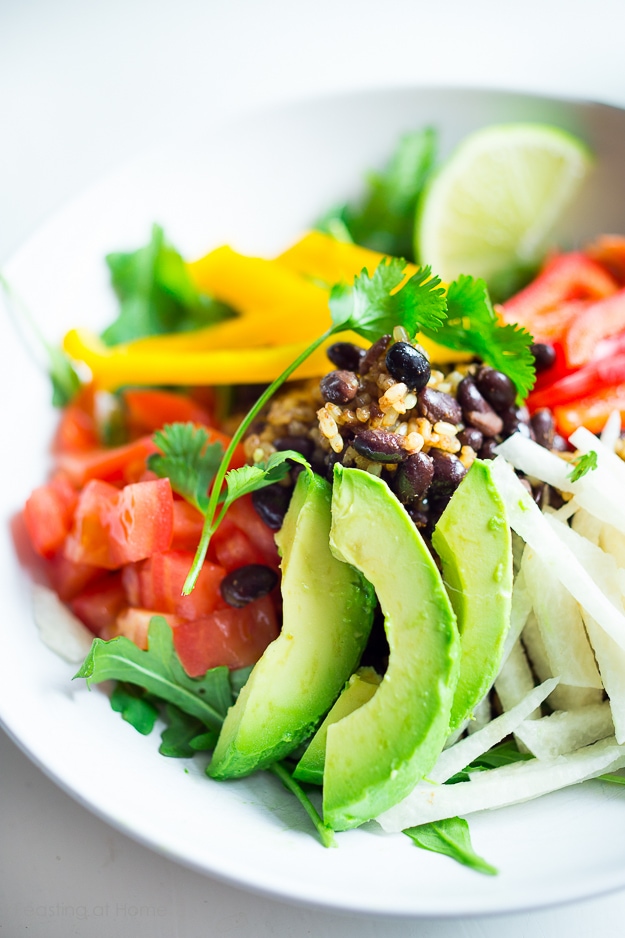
{"x":86,"y":85}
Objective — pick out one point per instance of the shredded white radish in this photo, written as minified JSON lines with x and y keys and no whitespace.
{"x":515,"y":680}
{"x":612,"y":430}
{"x":585,"y":441}
{"x":503,"y":786}
{"x":59,"y":628}
{"x":527,"y":520}
{"x":456,"y":758}
{"x":482,"y":715}
{"x":566,"y":731}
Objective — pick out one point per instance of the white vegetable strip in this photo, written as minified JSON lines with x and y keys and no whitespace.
{"x":585,"y":441}
{"x":611,"y":430}
{"x":599,"y":491}
{"x":457,"y":757}
{"x":515,"y":680}
{"x":561,"y":625}
{"x":566,"y":731}
{"x":503,"y":786}
{"x":482,"y":715}
{"x":59,"y":629}
{"x":520,"y":608}
{"x":528,"y":521}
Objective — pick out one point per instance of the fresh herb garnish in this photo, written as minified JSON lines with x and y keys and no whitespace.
{"x":383,"y":219}
{"x":326,"y":834}
{"x":503,"y":754}
{"x":450,"y":837}
{"x":582,"y":465}
{"x":188,"y":460}
{"x":367,"y":308}
{"x":160,"y":672}
{"x":157,"y":294}
{"x":472,"y":326}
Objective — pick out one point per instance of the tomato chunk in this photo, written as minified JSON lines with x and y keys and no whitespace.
{"x":112,"y":527}
{"x":148,"y":410}
{"x":243,"y":514}
{"x":235,"y":638}
{"x":159,"y":582}
{"x":232,"y":548}
{"x":48,"y":515}
{"x":188,"y":524}
{"x":134,"y":624}
{"x":99,"y":604}
{"x":108,"y":465}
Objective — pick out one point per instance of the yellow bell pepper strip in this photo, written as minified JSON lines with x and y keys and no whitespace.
{"x":113,"y":367}
{"x":323,"y":258}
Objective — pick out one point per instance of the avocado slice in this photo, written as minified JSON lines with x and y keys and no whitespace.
{"x":376,"y":755}
{"x":359,"y":689}
{"x":473,"y":541}
{"x":327,"y":615}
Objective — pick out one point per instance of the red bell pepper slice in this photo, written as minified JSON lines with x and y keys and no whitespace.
{"x":584,"y":382}
{"x":601,"y":320}
{"x":591,"y":412}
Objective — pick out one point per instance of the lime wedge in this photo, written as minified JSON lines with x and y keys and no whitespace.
{"x":490,"y":208}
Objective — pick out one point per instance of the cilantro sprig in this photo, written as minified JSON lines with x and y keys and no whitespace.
{"x":472,"y":326}
{"x":188,"y":460}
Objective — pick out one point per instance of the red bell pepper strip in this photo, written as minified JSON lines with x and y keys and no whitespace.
{"x":584,"y":382}
{"x":600,"y":320}
{"x":591,"y":412}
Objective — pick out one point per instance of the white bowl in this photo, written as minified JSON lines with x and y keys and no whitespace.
{"x":257,"y":184}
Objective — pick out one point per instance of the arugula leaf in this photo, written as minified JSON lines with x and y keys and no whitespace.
{"x":188,"y":460}
{"x":383,"y":218}
{"x":157,"y":294}
{"x":503,"y":754}
{"x":159,"y":671}
{"x":374,"y":305}
{"x":612,"y":777}
{"x":450,"y":837}
{"x":238,"y":679}
{"x":472,"y":326}
{"x":135,"y":708}
{"x":326,"y":834}
{"x":177,"y":737}
{"x":582,"y":465}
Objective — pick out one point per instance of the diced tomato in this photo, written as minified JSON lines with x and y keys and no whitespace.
{"x":609,"y":251}
{"x":235,"y":638}
{"x":580,"y":383}
{"x":48,"y":515}
{"x":134,"y":624}
{"x":232,"y":548}
{"x":113,"y":527}
{"x":600,"y":320}
{"x":149,"y":410}
{"x":76,"y":432}
{"x":543,"y":306}
{"x":592,"y":411}
{"x":99,"y":604}
{"x":107,"y":465}
{"x":244,"y":515}
{"x":188,"y":524}
{"x":69,"y":579}
{"x":160,"y":582}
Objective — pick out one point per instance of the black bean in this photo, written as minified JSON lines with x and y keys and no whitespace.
{"x":496,"y":387}
{"x":301,"y":444}
{"x":413,"y":477}
{"x":487,"y":450}
{"x":437,"y":405}
{"x":406,"y":363}
{"x":271,"y":504}
{"x":514,"y":418}
{"x":542,"y":424}
{"x":472,"y":437}
{"x":476,"y":409}
{"x":544,"y":356}
{"x":346,"y":356}
{"x":374,"y":353}
{"x":559,"y":443}
{"x":380,"y":446}
{"x":448,"y":472}
{"x":244,"y":585}
{"x":339,"y":387}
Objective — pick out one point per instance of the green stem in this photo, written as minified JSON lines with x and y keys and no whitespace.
{"x":326,"y":834}
{"x":210,"y":524}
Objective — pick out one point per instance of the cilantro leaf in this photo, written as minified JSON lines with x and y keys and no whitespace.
{"x":450,"y":837}
{"x":249,"y":479}
{"x":159,"y":671}
{"x":472,"y":326}
{"x":188,"y":460}
{"x":135,"y":708}
{"x":582,"y":465}
{"x":383,"y":218}
{"x":373,"y":306}
{"x":156,"y":293}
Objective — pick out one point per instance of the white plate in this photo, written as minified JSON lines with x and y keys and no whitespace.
{"x":257,"y":185}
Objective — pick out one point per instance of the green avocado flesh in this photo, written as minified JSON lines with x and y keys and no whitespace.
{"x":473,"y":542}
{"x":359,"y":689}
{"x":376,"y":755}
{"x":327,"y":614}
